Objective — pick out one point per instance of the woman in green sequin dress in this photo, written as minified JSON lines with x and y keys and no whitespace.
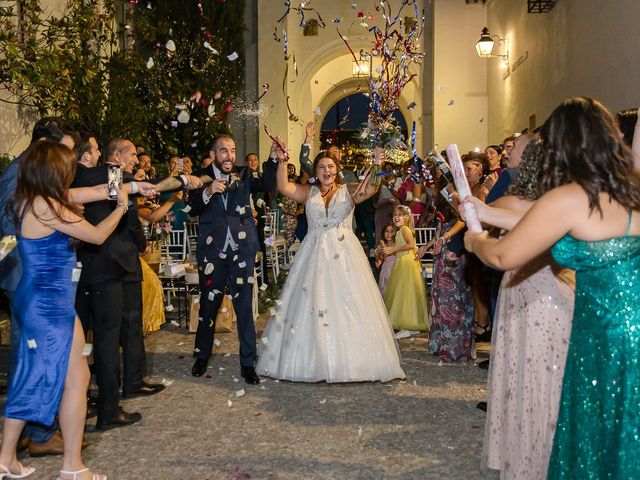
{"x":590,"y":218}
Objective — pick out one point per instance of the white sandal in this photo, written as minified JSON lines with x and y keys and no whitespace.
{"x":95,"y":476}
{"x":25,"y":472}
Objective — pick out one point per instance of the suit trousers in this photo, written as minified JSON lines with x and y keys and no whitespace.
{"x":100,"y":306}
{"x":131,"y":337}
{"x":233,"y":274}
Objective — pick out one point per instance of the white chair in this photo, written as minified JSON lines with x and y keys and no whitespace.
{"x":275,"y":243}
{"x":173,"y":251}
{"x":174,"y":246}
{"x":423,"y":236}
{"x":191,"y":228}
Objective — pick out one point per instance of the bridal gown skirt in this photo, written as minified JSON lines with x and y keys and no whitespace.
{"x":330,"y":323}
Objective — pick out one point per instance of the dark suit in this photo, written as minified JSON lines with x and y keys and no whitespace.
{"x":109,"y":298}
{"x":220,"y":266}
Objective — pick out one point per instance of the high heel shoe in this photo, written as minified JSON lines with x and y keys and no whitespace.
{"x":75,"y":474}
{"x":24,"y":472}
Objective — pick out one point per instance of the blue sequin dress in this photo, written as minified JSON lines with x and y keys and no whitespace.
{"x":44,"y":309}
{"x":598,"y":429}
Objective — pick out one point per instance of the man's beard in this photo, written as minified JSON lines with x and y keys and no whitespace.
{"x":219,"y":166}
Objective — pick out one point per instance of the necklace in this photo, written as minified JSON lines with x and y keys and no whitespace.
{"x":328,"y":191}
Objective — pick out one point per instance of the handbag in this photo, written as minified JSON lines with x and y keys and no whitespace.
{"x":224,"y":320}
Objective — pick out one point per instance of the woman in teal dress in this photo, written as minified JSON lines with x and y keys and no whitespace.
{"x":589,"y":216}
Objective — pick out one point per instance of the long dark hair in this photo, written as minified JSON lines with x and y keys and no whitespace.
{"x":46,"y":170}
{"x":583,"y":144}
{"x":527,"y":183}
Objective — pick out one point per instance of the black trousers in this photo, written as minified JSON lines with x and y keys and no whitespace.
{"x":234,"y":275}
{"x":113,"y":310}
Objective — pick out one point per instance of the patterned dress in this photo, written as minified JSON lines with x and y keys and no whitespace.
{"x":451,"y":331}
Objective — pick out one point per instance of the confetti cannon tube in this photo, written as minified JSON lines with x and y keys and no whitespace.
{"x":462,"y":185}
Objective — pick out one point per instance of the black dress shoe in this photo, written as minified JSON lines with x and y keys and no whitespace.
{"x":484,"y":365}
{"x":250,"y":376}
{"x":145,"y":389}
{"x":199,"y":367}
{"x":482,"y":406}
{"x":120,"y":419}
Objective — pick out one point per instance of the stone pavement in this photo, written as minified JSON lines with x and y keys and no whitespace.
{"x":426,"y":427}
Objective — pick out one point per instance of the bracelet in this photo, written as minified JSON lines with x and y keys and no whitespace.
{"x":134,"y":187}
{"x":124,"y":206}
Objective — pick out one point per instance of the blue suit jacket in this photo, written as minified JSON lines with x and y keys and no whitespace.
{"x":11,"y":266}
{"x":216,"y":220}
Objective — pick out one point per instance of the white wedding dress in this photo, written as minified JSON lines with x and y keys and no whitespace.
{"x":330,"y":323}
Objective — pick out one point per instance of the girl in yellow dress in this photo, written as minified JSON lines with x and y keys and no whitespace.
{"x":405,"y":296}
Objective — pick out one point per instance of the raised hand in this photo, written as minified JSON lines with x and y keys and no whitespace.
{"x":193,"y":182}
{"x":147,"y":189}
{"x":219,"y":185}
{"x":309,"y":132}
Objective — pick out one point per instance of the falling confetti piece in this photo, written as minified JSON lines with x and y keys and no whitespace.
{"x":229,"y":403}
{"x":170,"y":45}
{"x":242,"y":235}
{"x":166,"y":382}
{"x":211,"y":296}
{"x":208,"y":46}
{"x":174,"y":124}
{"x":216,"y":342}
{"x":263,"y":287}
{"x":233,"y":56}
{"x":184,"y":117}
{"x":323,"y":401}
{"x":411,"y":106}
{"x":150,"y":63}
{"x":318,"y":111}
{"x":217,"y":95}
{"x":208,"y":269}
{"x":235,"y":379}
{"x":359,"y":430}
{"x":251,"y":280}
{"x":265,"y":340}
{"x":209,"y":240}
{"x":222,"y":255}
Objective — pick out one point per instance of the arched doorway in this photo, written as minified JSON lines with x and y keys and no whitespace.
{"x":345,"y":119}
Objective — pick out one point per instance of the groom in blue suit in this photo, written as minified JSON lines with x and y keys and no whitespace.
{"x":226,"y":251}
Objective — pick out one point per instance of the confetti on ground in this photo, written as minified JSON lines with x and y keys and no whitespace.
{"x":216,"y":342}
{"x":166,"y":382}
{"x":240,"y":393}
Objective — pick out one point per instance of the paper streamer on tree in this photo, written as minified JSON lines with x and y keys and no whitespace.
{"x":462,"y":185}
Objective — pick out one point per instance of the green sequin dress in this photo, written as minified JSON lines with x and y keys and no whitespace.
{"x":598,"y":429}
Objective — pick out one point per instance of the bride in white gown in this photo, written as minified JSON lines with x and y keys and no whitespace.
{"x":330,"y":323}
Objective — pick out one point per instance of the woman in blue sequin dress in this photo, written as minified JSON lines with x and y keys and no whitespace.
{"x":590,"y":219}
{"x":51,"y":375}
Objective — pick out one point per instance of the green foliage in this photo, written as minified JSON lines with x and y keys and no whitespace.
{"x":5,"y":160}
{"x":71,"y":66}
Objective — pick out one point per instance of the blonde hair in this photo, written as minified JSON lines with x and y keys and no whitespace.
{"x":406,"y":211}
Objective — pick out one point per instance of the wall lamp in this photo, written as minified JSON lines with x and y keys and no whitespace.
{"x":485,"y":45}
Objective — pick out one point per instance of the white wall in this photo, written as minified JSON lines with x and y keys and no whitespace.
{"x":581,"y":47}
{"x":460,"y":76}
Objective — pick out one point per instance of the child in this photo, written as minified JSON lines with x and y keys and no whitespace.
{"x":385,"y":263}
{"x":405,"y":295}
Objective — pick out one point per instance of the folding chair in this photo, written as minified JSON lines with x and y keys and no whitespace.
{"x":275,"y":243}
{"x":423,"y":236}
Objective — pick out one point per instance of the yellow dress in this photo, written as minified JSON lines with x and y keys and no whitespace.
{"x":406,"y":296}
{"x":152,"y":300}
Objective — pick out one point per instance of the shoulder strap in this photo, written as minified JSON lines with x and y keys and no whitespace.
{"x":629,"y":223}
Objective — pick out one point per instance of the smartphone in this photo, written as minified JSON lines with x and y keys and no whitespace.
{"x":180,"y":164}
{"x":114,"y":181}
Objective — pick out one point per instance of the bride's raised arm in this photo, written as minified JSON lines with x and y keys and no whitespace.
{"x":368,"y":186}
{"x":289,"y":189}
